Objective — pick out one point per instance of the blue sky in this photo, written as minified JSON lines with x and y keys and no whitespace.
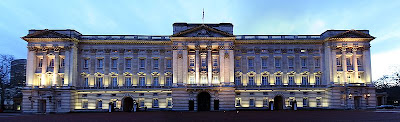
{"x":155,"y":17}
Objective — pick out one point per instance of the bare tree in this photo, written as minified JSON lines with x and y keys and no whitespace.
{"x":5,"y":67}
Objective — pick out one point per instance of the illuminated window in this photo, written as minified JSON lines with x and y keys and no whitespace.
{"x":338,"y":62}
{"x":238,"y":80}
{"x":238,"y":102}
{"x":128,"y":81}
{"x":141,"y":103}
{"x":155,"y":63}
{"x":305,"y":102}
{"x":128,"y":63}
{"x":99,"y":104}
{"x":191,"y":61}
{"x":86,"y":82}
{"x":215,"y":78}
{"x":114,"y":63}
{"x":291,"y":80}
{"x":251,"y":81}
{"x":304,"y":80}
{"x":191,"y":80}
{"x":251,"y":103}
{"x":264,"y":80}
{"x":278,"y":80}
{"x":169,"y":102}
{"x":114,"y":81}
{"x":51,"y":63}
{"x":40,"y":63}
{"x":317,"y":80}
{"x":155,"y":81}
{"x":99,"y":82}
{"x":155,"y":103}
{"x":142,"y":81}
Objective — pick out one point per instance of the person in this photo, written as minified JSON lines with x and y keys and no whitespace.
{"x":134,"y":105}
{"x":109,"y":106}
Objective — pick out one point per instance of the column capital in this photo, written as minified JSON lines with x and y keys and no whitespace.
{"x":343,"y":49}
{"x":354,"y":49}
{"x":32,"y":48}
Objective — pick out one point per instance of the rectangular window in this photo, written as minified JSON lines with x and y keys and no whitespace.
{"x":85,"y":104}
{"x":99,"y":82}
{"x":237,"y":63}
{"x":264,"y":62}
{"x":305,"y":102}
{"x":191,"y":80}
{"x":155,"y":61}
{"x":142,"y":63}
{"x":215,"y":61}
{"x":238,"y":102}
{"x":359,"y":62}
{"x":338,"y":62}
{"x":128,"y":63}
{"x":203,"y":61}
{"x":317,"y":80}
{"x":317,"y":62}
{"x":168,"y":81}
{"x":191,"y":61}
{"x":99,"y":104}
{"x":278,"y":80}
{"x":250,"y":62}
{"x":155,"y":81}
{"x":99,"y":63}
{"x":251,"y":102}
{"x":303,"y":62}
{"x":141,"y":103}
{"x":238,"y":80}
{"x":264,"y":80}
{"x":86,"y":63}
{"x":169,"y":63}
{"x":265,"y":102}
{"x":86,"y":82}
{"x":215,"y":79}
{"x":169,"y":102}
{"x":348,"y":62}
{"x":51,"y":63}
{"x":114,"y":63}
{"x":251,"y":81}
{"x":304,"y":80}
{"x":290,"y":62}
{"x":155,"y":103}
{"x":291,"y":80}
{"x":318,"y":102}
{"x":114,"y":82}
{"x":128,"y":81}
{"x":142,"y":81}
{"x":62,"y":64}
{"x":40,"y":63}
{"x":277,"y":62}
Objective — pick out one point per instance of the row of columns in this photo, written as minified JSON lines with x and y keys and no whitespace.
{"x":366,"y":67}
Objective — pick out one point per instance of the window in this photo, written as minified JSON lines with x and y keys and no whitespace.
{"x":155,"y":81}
{"x":191,"y":61}
{"x":142,"y":81}
{"x":155,"y":61}
{"x":169,"y":94}
{"x":86,"y":63}
{"x":264,"y":62}
{"x":278,"y":80}
{"x":265,"y":102}
{"x":168,"y":81}
{"x":113,"y":63}
{"x":169,"y":63}
{"x":251,"y":93}
{"x":238,"y":80}
{"x":277,"y":62}
{"x":338,"y":62}
{"x":203,"y":79}
{"x":169,"y":102}
{"x":141,"y":103}
{"x":251,"y":81}
{"x":317,"y":80}
{"x":142,"y":63}
{"x":203,"y":61}
{"x":86,"y":82}
{"x":128,"y":63}
{"x":114,"y":82}
{"x":99,"y":104}
{"x":250,"y":62}
{"x":291,"y":80}
{"x":215,"y":79}
{"x":317,"y":62}
{"x":348,"y":62}
{"x":62,"y":64}
{"x":215,"y":61}
{"x":305,"y":102}
{"x":155,"y":94}
{"x":264,"y":80}
{"x":291,"y":62}
{"x":155,"y":103}
{"x":237,"y":63}
{"x":40,"y":63}
{"x":141,"y":94}
{"x":303,"y":62}
{"x":359,"y":62}
{"x":51,"y":63}
{"x":304,"y":80}
{"x":238,"y":102}
{"x":85,"y":104}
{"x":99,"y":82}
{"x":318,"y":102}
{"x":191,"y":80}
{"x":128,"y":81}
{"x":251,"y":102}
{"x":99,"y":63}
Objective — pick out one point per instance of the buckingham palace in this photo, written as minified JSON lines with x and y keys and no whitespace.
{"x":200,"y":67}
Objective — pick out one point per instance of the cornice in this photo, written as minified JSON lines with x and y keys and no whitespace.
{"x":202,"y":38}
{"x":278,"y":41}
{"x":49,"y":39}
{"x":125,"y":42}
{"x":349,"y":39}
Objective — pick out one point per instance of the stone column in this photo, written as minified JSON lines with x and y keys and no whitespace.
{"x":56,"y":66}
{"x":31,"y":66}
{"x":221,"y":65}
{"x":210,"y":65}
{"x":44,"y":68}
{"x":344,"y":65}
{"x":232,"y":67}
{"x":107,"y":59}
{"x":334,"y":66}
{"x":67,"y":66}
{"x":355,"y":65}
{"x":175,"y":67}
{"x":197,"y":68}
{"x":367,"y":65}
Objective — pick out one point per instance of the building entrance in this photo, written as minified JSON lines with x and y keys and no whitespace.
{"x":127,"y":104}
{"x":278,"y":103}
{"x":203,"y":101}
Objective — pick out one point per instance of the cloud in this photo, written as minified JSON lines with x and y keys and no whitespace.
{"x":384,"y":63}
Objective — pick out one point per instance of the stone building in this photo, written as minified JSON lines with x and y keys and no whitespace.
{"x":199,"y":67}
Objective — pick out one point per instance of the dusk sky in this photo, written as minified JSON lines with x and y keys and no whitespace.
{"x":155,"y":17}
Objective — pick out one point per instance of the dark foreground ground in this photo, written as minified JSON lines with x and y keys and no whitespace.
{"x":242,"y":116}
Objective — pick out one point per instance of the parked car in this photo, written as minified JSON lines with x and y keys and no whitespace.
{"x":386,"y":107}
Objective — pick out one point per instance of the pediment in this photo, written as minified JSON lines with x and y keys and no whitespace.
{"x":202,"y":31}
{"x":352,"y":34}
{"x":46,"y":34}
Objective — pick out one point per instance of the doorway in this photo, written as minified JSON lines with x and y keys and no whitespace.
{"x":42,"y":106}
{"x":278,"y":103}
{"x":127,"y":104}
{"x":357,"y":102}
{"x":203,"y":101}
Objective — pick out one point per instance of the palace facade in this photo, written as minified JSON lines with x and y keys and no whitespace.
{"x":201,"y":67}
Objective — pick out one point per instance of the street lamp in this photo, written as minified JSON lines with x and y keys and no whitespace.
{"x":350,"y":96}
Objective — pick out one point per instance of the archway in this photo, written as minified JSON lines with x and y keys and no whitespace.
{"x":203,"y":101}
{"x":127,"y":104}
{"x":278,"y":103}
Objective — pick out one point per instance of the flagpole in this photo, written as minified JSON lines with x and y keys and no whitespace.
{"x":203,"y":16}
